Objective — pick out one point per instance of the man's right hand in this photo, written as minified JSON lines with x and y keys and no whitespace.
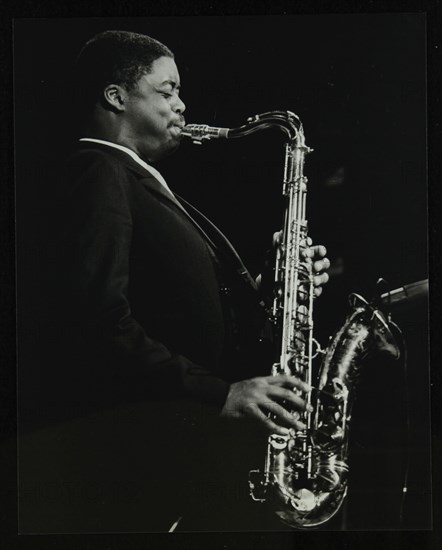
{"x":254,"y":399}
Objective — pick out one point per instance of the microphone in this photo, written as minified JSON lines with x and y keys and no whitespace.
{"x":411,"y":295}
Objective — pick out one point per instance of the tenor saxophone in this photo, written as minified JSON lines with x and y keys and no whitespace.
{"x":304,"y":478}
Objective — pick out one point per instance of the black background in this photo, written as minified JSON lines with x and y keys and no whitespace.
{"x":358,"y":84}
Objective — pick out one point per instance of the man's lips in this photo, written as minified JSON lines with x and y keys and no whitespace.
{"x":177,"y":128}
{"x":178,"y":124}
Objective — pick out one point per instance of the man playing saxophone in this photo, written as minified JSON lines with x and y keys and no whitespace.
{"x":160,"y":318}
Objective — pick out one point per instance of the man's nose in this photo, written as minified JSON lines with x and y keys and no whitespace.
{"x":179,"y":106}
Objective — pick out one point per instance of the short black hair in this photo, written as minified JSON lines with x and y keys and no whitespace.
{"x":115,"y":57}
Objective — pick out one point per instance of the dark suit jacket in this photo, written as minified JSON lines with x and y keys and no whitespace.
{"x":148,"y":313}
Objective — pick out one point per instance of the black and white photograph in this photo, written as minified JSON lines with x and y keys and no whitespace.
{"x":222,"y":274}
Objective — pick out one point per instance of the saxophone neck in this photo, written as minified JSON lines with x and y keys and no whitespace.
{"x":286,"y":121}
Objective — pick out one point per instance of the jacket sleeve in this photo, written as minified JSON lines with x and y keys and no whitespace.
{"x":94,"y":244}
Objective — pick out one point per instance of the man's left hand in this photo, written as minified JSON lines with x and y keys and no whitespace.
{"x":317,"y":255}
{"x":314,"y":254}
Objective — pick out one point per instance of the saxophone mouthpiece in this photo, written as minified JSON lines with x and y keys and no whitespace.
{"x":202,"y":132}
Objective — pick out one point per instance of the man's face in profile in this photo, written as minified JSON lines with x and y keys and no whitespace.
{"x":154,"y":111}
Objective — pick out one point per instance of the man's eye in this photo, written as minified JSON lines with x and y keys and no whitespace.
{"x":165,"y":94}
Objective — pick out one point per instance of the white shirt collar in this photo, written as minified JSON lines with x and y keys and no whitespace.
{"x":136,"y":158}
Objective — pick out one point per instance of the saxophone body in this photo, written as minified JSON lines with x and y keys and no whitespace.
{"x":305,"y":473}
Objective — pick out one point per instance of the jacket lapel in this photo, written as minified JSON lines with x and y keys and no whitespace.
{"x":147,"y":178}
{"x":224,"y":245}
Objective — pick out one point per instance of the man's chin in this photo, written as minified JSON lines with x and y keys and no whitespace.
{"x":167,"y":150}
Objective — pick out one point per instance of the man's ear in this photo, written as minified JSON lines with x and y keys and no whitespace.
{"x":115,"y":97}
